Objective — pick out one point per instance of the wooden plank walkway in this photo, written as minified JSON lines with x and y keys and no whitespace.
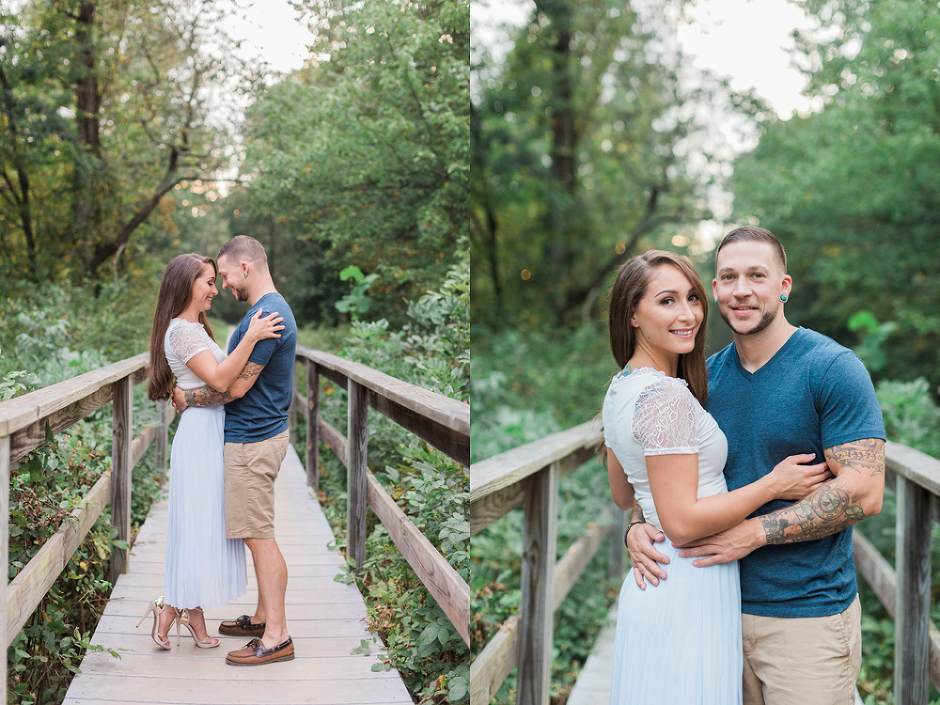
{"x":593,"y":685}
{"x":325,"y":618}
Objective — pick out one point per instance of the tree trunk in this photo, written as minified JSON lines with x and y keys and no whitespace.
{"x":478,"y":157}
{"x":20,"y":199}
{"x":86,"y":210}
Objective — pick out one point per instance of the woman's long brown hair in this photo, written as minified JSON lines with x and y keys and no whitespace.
{"x":176,"y":291}
{"x":629,"y":288}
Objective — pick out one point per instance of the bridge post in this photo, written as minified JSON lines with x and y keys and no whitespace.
{"x":912,"y":599}
{"x":162,"y":438}
{"x":121,"y":471}
{"x":292,"y":419}
{"x":536,"y":608}
{"x":4,"y":551}
{"x":313,"y":431}
{"x":617,"y":549}
{"x":357,"y":436}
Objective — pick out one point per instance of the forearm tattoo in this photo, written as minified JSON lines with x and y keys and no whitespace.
{"x":864,"y":456}
{"x":206,"y":396}
{"x":835,"y":506}
{"x":637,"y":516}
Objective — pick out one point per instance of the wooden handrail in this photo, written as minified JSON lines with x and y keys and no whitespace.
{"x":442,"y":422}
{"x":23,"y":426}
{"x":434,"y":407}
{"x":501,"y":483}
{"x":17,"y":414}
{"x":496,"y":484}
{"x":24,"y":422}
{"x":439,"y":420}
{"x":528,"y":476}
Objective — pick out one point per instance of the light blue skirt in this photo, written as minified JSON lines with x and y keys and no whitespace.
{"x":203,"y":568}
{"x":679,"y":642}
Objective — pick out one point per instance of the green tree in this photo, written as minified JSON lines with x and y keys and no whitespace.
{"x":361,"y":158}
{"x":104,"y":110}
{"x":854,"y":191}
{"x":580,"y":156}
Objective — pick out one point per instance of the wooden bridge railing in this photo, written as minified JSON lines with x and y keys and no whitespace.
{"x":444,"y":423}
{"x":23,"y":425}
{"x":528,"y":476}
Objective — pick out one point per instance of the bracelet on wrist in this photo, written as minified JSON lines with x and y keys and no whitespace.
{"x":630,"y":526}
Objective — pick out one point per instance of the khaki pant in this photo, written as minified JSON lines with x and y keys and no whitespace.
{"x":804,"y":661}
{"x":250,"y":472}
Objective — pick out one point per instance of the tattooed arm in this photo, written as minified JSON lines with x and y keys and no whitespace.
{"x":644,"y":557}
{"x":207,"y":396}
{"x":854,"y":493}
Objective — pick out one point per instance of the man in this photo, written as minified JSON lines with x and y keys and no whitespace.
{"x":256,"y":439}
{"x":776,"y":391}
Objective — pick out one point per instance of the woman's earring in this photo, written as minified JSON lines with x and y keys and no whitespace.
{"x":783,"y":297}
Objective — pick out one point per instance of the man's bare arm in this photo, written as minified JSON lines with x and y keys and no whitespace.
{"x":644,"y":557}
{"x":855,"y":492}
{"x":207,"y":396}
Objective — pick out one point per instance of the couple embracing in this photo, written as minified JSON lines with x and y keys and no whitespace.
{"x":745,"y":474}
{"x":228,"y":448}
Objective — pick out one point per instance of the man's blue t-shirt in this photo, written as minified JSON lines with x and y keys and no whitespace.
{"x":813,"y":394}
{"x":262,"y":412}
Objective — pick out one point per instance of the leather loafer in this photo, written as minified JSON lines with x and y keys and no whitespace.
{"x":256,"y":653}
{"x":242,"y":626}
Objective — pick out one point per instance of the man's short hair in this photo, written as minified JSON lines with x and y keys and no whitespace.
{"x":245,"y":249}
{"x":749,"y":233}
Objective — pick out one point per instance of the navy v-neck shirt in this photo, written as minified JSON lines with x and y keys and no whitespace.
{"x":811,"y":395}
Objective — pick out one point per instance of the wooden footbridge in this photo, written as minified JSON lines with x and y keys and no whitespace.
{"x":528,"y":477}
{"x":326,"y":618}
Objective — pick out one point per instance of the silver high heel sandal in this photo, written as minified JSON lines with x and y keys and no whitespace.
{"x":161,"y":640}
{"x":182,"y":617}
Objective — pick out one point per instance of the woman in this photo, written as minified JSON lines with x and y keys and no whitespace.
{"x":202,"y":568}
{"x":679,"y":642}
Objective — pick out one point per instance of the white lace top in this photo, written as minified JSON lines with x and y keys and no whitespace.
{"x":648,"y":413}
{"x":182,"y":341}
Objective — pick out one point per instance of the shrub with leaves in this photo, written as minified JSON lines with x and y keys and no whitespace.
{"x":430,"y":351}
{"x":45,"y":486}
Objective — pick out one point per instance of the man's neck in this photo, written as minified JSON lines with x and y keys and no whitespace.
{"x":262,"y":288}
{"x":755,"y":351}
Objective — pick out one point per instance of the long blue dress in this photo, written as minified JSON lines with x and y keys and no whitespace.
{"x":202,"y":567}
{"x":679,"y":642}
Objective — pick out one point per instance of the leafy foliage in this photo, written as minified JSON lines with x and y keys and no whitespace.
{"x":105,"y":110}
{"x":431,"y":351}
{"x":581,"y":142}
{"x":852,"y":190}
{"x":361,"y":158}
{"x":44,"y":488}
{"x":523,"y":388}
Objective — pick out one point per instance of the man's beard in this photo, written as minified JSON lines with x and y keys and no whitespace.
{"x":762,"y":324}
{"x":239,"y":293}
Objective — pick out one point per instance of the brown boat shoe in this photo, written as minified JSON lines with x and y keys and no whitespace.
{"x":242,"y":626}
{"x":256,"y":653}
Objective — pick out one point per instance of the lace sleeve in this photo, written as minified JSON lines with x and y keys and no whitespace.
{"x":188,"y":339}
{"x":664,"y":419}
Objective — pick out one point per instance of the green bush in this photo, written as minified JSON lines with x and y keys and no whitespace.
{"x":523,"y":388}
{"x":45,"y":486}
{"x":430,"y":351}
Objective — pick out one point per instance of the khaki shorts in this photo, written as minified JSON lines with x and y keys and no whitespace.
{"x":808,"y":660}
{"x":250,"y":472}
